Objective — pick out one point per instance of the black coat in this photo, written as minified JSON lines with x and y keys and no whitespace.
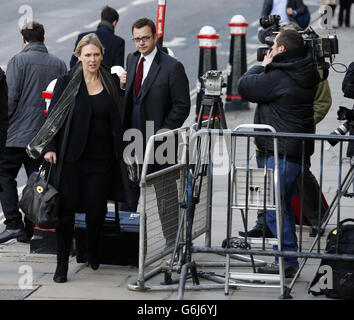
{"x":284,"y":92}
{"x":164,"y":94}
{"x":114,"y":47}
{"x":121,"y":185}
{"x":297,"y":5}
{"x":4,"y":120}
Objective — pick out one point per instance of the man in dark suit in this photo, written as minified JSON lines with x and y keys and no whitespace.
{"x":156,"y":92}
{"x":113,"y":45}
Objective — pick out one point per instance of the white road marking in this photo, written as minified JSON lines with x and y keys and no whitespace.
{"x":68,"y":36}
{"x":137,"y":2}
{"x":175,"y":42}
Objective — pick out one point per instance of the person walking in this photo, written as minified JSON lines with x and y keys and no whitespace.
{"x":344,"y":12}
{"x":86,"y":146}
{"x":28,"y":74}
{"x":156,"y":91}
{"x":114,"y":46}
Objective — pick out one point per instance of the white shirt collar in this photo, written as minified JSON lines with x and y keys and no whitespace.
{"x":147,"y":63}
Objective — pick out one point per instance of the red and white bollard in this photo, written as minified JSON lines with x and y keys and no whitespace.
{"x":160,"y":23}
{"x":207,"y":59}
{"x":47,"y":94}
{"x":237,"y":63}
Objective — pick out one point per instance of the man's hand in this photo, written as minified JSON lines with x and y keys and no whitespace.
{"x":268,"y":58}
{"x":51,"y":157}
{"x":123,"y":79}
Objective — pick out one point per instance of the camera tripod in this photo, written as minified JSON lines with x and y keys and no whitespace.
{"x":212,"y":106}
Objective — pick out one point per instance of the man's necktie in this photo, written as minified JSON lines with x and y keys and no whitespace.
{"x":139,"y":76}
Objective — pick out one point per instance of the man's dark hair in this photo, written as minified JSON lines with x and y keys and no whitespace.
{"x":33,"y":32}
{"x":109,"y":14}
{"x":140,"y":23}
{"x":290,"y":39}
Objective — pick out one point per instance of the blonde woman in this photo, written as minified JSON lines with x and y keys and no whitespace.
{"x":86,"y":147}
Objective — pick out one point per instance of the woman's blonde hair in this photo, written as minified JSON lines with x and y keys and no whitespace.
{"x":90,"y":38}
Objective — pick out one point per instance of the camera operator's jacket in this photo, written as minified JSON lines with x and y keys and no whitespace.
{"x":284,"y":91}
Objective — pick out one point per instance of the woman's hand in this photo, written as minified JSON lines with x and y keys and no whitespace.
{"x":51,"y":157}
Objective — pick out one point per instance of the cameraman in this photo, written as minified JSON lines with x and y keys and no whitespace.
{"x":348,"y":90}
{"x":284,"y":88}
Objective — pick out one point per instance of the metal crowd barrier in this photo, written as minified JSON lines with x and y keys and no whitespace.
{"x":162,"y":228}
{"x":158,"y":207}
{"x":336,"y":187}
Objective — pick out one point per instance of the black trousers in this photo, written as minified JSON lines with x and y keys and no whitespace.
{"x":11,"y":161}
{"x":84,"y":187}
{"x":344,"y":10}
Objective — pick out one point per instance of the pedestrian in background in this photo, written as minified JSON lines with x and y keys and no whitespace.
{"x":344,"y":12}
{"x":28,"y":74}
{"x":156,"y":90}
{"x":86,"y":146}
{"x":114,"y":45}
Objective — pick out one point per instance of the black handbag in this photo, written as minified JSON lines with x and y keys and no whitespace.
{"x":39,"y":201}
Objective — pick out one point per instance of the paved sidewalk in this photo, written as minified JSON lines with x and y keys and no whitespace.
{"x":110,"y":282}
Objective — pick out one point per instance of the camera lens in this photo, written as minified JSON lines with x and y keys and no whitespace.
{"x":341,"y":130}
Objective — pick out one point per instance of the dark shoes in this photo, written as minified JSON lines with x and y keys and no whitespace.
{"x":257,"y":232}
{"x":273,"y":268}
{"x":25,"y":237}
{"x":94,"y":266}
{"x":314,"y":230}
{"x":9,"y":234}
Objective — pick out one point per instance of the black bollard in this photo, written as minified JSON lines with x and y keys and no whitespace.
{"x":237,"y":63}
{"x":207,"y":60}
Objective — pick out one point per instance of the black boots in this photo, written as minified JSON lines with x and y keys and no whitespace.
{"x":61,"y":272}
{"x":64,"y":239}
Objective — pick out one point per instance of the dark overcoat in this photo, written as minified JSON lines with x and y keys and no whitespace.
{"x":120,"y":184}
{"x":114,"y":46}
{"x":164,"y":95}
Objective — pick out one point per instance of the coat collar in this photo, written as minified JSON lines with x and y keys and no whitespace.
{"x":35,"y":46}
{"x":154,"y":69}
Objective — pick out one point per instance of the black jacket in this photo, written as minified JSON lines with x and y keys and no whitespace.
{"x":121,"y":185}
{"x":4,"y":121}
{"x":114,"y":46}
{"x":284,"y":92}
{"x":297,"y":5}
{"x":164,"y":95}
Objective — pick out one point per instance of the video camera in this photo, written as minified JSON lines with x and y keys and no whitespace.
{"x":320,"y":48}
{"x":343,"y":114}
{"x":212,"y":83}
